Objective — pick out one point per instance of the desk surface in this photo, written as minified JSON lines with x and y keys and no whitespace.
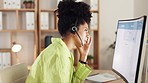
{"x":119,"y":80}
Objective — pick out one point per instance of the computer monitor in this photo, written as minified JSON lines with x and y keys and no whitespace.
{"x":130,"y":48}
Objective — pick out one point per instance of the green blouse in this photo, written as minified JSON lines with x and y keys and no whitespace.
{"x":55,"y":65}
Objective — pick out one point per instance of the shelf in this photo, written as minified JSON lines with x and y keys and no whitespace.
{"x":5,"y":50}
{"x":48,"y":10}
{"x":42,"y":49}
{"x":94,"y":11}
{"x":93,"y":30}
{"x":8,"y":10}
{"x":26,"y":10}
{"x":22,"y":30}
{"x":93,"y":65}
{"x":17,"y":30}
{"x":14,"y":10}
{"x":49,"y":30}
{"x":5,"y":30}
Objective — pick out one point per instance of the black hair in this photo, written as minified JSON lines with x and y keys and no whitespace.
{"x":69,"y":12}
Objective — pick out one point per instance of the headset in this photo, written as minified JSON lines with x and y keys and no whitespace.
{"x":74,"y":30}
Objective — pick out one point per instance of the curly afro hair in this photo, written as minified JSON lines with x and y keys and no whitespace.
{"x":69,"y":12}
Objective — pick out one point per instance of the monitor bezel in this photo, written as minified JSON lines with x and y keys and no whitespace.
{"x":140,"y":50}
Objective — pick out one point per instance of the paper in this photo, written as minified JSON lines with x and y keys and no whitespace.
{"x":30,"y":20}
{"x":93,"y":23}
{"x":17,"y":4}
{"x":1,"y":59}
{"x":1,"y":27}
{"x":103,"y":77}
{"x":5,"y":4}
{"x":6,"y":59}
{"x":44,"y":20}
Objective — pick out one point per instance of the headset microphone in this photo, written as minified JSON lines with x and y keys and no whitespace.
{"x":74,"y":29}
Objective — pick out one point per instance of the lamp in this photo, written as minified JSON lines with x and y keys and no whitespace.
{"x":16,"y":48}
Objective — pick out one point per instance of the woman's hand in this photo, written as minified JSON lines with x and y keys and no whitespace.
{"x":85,"y":49}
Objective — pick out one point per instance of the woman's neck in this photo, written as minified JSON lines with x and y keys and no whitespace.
{"x":69,"y":42}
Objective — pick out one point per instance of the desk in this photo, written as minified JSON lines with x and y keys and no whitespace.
{"x":119,"y":80}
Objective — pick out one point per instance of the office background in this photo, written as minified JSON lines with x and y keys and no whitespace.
{"x":110,"y":11}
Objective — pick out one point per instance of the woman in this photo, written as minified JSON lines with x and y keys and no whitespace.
{"x":55,"y":63}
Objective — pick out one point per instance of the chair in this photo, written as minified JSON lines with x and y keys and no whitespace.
{"x":14,"y":74}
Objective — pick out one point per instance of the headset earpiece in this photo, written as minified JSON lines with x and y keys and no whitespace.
{"x":73,"y":29}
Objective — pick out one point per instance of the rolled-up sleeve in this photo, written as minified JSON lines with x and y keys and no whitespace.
{"x":81,"y":73}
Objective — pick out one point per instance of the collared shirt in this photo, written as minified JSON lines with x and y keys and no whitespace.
{"x":55,"y":65}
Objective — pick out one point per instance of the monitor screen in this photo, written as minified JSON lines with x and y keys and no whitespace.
{"x":128,"y":48}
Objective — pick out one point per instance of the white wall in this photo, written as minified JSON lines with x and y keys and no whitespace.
{"x":110,"y":12}
{"x":141,"y":8}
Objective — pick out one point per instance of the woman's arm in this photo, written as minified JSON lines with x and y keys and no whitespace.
{"x":81,"y":73}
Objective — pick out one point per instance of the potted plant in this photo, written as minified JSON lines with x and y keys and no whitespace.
{"x":31,"y":3}
{"x":113,"y":44}
{"x":24,"y":4}
{"x":28,"y":4}
{"x":89,"y":59}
